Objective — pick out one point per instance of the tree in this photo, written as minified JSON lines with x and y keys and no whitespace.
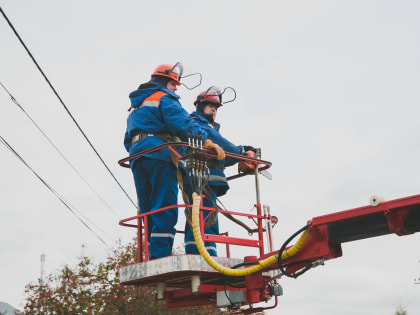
{"x":90,"y":288}
{"x":401,"y":311}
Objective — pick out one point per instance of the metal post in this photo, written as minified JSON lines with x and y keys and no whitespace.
{"x":202,"y":223}
{"x":269,"y":229}
{"x":146,"y":240}
{"x":257,"y":181}
{"x":267,"y":235}
{"x":257,"y":184}
{"x":258,"y":205}
{"x":260,"y":229}
{"x":41,"y":278}
{"x":139,"y":240}
{"x":139,"y":235}
{"x":227,"y":244}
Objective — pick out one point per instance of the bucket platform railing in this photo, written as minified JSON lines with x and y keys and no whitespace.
{"x":258,"y":219}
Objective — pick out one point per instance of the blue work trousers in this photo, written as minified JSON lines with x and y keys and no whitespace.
{"x":190,"y":247}
{"x":157,"y":187}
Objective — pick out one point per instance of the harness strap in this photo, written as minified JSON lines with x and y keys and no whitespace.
{"x":140,"y":135}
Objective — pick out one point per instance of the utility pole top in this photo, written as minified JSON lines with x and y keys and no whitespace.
{"x":41,"y":278}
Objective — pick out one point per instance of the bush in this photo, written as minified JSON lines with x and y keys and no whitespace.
{"x":90,"y":288}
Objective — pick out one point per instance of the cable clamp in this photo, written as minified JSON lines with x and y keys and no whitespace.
{"x":318,"y":262}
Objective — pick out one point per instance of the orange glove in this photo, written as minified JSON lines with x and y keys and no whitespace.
{"x":213,"y":146}
{"x":246,"y":166}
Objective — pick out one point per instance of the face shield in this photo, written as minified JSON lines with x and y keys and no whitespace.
{"x":221,"y":95}
{"x":190,"y":80}
{"x":178,"y":69}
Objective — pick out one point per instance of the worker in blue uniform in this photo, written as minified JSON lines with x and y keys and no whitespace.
{"x":207,"y":104}
{"x":156,"y":117}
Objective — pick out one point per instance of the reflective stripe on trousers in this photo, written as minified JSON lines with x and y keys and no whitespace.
{"x":207,"y":247}
{"x":217,"y":178}
{"x":162,"y":235}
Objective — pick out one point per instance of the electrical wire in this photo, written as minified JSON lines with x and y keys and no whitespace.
{"x":63,"y":201}
{"x":245,"y":263}
{"x":58,"y":150}
{"x":282,"y":249}
{"x":64,"y":105}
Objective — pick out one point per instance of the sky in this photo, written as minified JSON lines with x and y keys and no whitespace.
{"x":327,"y":89}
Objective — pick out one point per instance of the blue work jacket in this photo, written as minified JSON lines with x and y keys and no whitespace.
{"x":161,"y":113}
{"x":217,"y":180}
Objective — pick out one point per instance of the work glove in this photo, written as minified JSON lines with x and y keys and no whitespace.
{"x":213,"y":146}
{"x":246,"y":148}
{"x":247,"y":166}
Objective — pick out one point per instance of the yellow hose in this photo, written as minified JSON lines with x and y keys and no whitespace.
{"x":236,"y":272}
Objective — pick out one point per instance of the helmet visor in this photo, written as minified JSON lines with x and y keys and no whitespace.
{"x":190,"y":80}
{"x":178,"y":69}
{"x":224,"y":94}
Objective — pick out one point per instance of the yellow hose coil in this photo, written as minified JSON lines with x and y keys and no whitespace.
{"x":235,"y":272}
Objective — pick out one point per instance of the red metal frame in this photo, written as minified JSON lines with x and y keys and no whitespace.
{"x":183,"y":296}
{"x":223,"y":238}
{"x":262,"y":165}
{"x":326,"y":234}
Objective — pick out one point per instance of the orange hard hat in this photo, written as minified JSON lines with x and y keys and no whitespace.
{"x":169,"y":71}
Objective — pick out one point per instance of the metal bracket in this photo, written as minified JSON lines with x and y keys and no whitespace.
{"x":395,"y":220}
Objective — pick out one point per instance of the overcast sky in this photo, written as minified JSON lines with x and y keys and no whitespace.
{"x":328,"y":89}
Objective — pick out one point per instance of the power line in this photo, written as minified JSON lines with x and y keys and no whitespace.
{"x":58,"y":150}
{"x":63,"y":201}
{"x":64,"y":105}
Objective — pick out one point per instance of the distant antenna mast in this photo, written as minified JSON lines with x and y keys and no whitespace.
{"x":41,"y":278}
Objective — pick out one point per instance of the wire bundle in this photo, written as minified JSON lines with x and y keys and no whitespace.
{"x":197,"y":170}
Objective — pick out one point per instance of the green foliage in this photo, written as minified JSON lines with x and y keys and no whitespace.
{"x":401,"y":311}
{"x":90,"y":288}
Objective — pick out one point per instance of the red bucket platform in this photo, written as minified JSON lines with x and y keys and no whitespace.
{"x":177,"y":272}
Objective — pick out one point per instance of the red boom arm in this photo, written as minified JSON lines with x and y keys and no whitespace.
{"x":327,"y":232}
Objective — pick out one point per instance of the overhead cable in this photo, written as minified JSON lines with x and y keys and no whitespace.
{"x":64,"y":105}
{"x":72,"y":209}
{"x":58,"y":150}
